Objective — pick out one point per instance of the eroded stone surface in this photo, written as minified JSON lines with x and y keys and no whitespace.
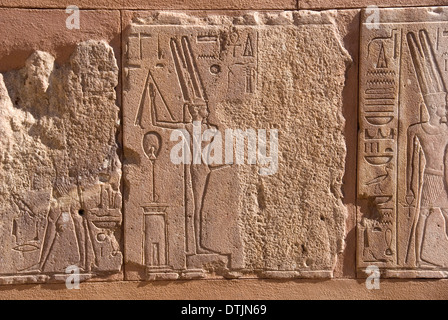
{"x":60,"y":199}
{"x":274,"y":71}
{"x":46,"y":30}
{"x":341,"y":4}
{"x":156,"y":4}
{"x":403,"y":138}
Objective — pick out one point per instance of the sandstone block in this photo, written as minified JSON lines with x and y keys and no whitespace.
{"x":24,"y":31}
{"x":402,"y":193}
{"x":346,"y":4}
{"x":60,"y":170}
{"x":155,"y":4}
{"x":274,"y":207}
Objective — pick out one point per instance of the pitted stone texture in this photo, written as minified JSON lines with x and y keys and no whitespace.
{"x":403,"y":139}
{"x":347,"y":4}
{"x":155,"y":4}
{"x":275,"y":71}
{"x":59,"y":167}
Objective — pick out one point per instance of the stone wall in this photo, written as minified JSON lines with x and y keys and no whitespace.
{"x":275,"y":147}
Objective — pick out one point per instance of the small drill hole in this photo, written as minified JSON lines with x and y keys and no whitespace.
{"x":81,"y":212}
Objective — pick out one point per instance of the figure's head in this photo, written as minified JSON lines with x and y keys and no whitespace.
{"x":436,"y":105}
{"x":198,"y":111}
{"x":63,"y":189}
{"x":429,"y":77}
{"x":39,"y":67}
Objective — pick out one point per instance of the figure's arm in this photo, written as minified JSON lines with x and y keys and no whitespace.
{"x":154,"y":118}
{"x":54,"y":213}
{"x":213,"y":166}
{"x":410,"y":151}
{"x":445,"y":164}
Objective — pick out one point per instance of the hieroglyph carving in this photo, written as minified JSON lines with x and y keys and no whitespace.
{"x":171,"y":59}
{"x":403,"y":140}
{"x":60,"y":198}
{"x":187,"y":80}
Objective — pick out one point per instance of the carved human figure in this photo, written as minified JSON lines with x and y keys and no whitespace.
{"x":196,"y":112}
{"x":427,"y":141}
{"x":65,"y":205}
{"x":79,"y":204}
{"x":199,"y":173}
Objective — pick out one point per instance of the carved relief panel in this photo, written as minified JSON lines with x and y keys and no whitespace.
{"x":403,"y":139}
{"x":185,"y":77}
{"x":60,"y":171}
{"x":180,"y":67}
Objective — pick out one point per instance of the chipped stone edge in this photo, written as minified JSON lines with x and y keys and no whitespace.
{"x":408,"y":15}
{"x":404,"y":274}
{"x":261,"y":274}
{"x":58,"y":278}
{"x":43,"y":278}
{"x":251,"y":18}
